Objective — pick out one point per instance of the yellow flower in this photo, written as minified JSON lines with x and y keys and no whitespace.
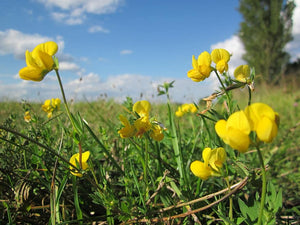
{"x":235,"y":131}
{"x":242,"y":73}
{"x":50,"y":106}
{"x":128,"y":130}
{"x":142,"y":108}
{"x":27,"y":116}
{"x":201,"y":170}
{"x":213,"y":162}
{"x":142,"y":125}
{"x":201,"y":67}
{"x":263,"y":120}
{"x":39,"y":61}
{"x":74,"y":160}
{"x":56,"y":103}
{"x":185,"y":108}
{"x":216,"y":157}
{"x":156,"y":132}
{"x":220,"y":57}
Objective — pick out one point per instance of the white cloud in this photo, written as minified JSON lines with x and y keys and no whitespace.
{"x":16,"y":43}
{"x":294,"y":46}
{"x":68,"y":66}
{"x":73,"y":12}
{"x":95,"y":29}
{"x":68,"y":18}
{"x":118,"y":87}
{"x":296,"y":18}
{"x":126,"y":52}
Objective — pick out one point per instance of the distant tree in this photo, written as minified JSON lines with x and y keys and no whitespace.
{"x":265,"y":31}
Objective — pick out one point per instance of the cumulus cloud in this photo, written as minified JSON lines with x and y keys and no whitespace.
{"x":16,"y":43}
{"x":118,"y":87}
{"x":138,"y":87}
{"x":73,"y":12}
{"x":294,"y":46}
{"x":71,"y":66}
{"x":95,"y":29}
{"x":126,"y":52}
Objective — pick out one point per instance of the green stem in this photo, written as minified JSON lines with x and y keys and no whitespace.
{"x":230,"y":200}
{"x":65,"y":100}
{"x":264,"y":186}
{"x":80,"y":155}
{"x":177,"y":150}
{"x":34,"y":141}
{"x":249,"y":91}
{"x":146,"y":162}
{"x":225,"y":90}
{"x":76,"y":200}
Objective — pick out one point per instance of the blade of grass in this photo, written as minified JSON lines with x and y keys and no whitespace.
{"x":76,"y":200}
{"x":103,"y":148}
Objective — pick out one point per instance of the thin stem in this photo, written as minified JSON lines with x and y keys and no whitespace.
{"x":37,"y":143}
{"x":264,"y":186}
{"x":249,"y":91}
{"x":146,"y":162}
{"x":64,"y":99}
{"x":230,"y":200}
{"x":80,"y":154}
{"x":223,"y":86}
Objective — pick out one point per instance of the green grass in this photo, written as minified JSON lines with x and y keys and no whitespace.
{"x":139,"y":179}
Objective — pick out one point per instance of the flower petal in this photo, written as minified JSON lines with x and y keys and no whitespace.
{"x":142,"y":108}
{"x":238,"y":140}
{"x":220,"y":128}
{"x":201,"y":170}
{"x":256,"y":111}
{"x":204,"y":59}
{"x":220,"y":54}
{"x":49,"y":48}
{"x":206,"y":153}
{"x":239,"y":121}
{"x":266,"y":130}
{"x":31,"y":73}
{"x":242,"y":72}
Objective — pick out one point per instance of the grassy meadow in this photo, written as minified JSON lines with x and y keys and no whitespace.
{"x":230,"y":158}
{"x":137,"y":180}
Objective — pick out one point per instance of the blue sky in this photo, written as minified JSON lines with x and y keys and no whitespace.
{"x":118,"y":48}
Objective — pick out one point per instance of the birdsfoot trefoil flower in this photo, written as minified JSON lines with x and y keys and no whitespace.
{"x":50,"y":106}
{"x":74,"y":160}
{"x":257,"y":117}
{"x":142,"y":123}
{"x":213,"y":162}
{"x":39,"y":61}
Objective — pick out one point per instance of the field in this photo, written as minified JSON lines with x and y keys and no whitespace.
{"x":141,"y":180}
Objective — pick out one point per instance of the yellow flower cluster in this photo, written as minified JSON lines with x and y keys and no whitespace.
{"x":39,"y":61}
{"x":74,"y":160}
{"x":142,"y":124}
{"x":257,"y":117}
{"x":242,"y":73}
{"x":50,"y":106}
{"x":185,"y":108}
{"x":202,"y":66}
{"x":213,"y":162}
{"x":27,"y":117}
